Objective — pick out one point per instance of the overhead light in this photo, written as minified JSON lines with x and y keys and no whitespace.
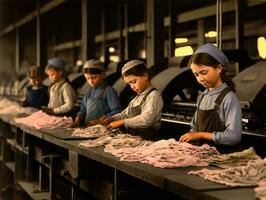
{"x":261,"y":45}
{"x":111,"y":49}
{"x":143,"y":54}
{"x":181,"y":40}
{"x":79,"y":62}
{"x":114,"y":58}
{"x":211,"y":34}
{"x":183,"y":51}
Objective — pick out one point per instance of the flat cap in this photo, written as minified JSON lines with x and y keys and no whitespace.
{"x":131,"y":64}
{"x":57,"y":63}
{"x":214,"y":52}
{"x":93,"y":64}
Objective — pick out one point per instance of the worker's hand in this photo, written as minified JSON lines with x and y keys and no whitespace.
{"x":100,"y":120}
{"x":188,"y":137}
{"x":48,"y":111}
{"x":191,"y":136}
{"x":106,"y":121}
{"x":115,"y":124}
{"x":77,"y":121}
{"x":75,"y":124}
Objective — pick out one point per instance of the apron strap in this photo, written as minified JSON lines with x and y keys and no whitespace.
{"x":220,"y":98}
{"x":147,"y":94}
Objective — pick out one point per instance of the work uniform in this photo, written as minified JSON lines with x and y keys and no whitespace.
{"x":37,"y":97}
{"x":62,"y":97}
{"x":223,"y":120}
{"x":99,"y":101}
{"x":143,"y":115}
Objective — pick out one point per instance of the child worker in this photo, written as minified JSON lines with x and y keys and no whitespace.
{"x":101,"y":100}
{"x":143,"y":115}
{"x":61,"y":93}
{"x":36,"y":92}
{"x":218,"y":115}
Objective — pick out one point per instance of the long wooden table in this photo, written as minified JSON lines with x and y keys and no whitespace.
{"x":176,"y":180}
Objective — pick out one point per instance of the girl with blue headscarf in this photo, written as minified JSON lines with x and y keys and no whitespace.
{"x":218,"y":115}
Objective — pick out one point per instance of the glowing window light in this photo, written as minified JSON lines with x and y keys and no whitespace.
{"x":111,"y":49}
{"x":114,"y":58}
{"x":143,"y":54}
{"x":183,"y":51}
{"x":261,"y":45}
{"x":211,"y":34}
{"x":79,"y":62}
{"x":181,"y":40}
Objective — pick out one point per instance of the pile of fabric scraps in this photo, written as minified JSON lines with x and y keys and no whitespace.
{"x":42,"y":120}
{"x":248,"y":175}
{"x":163,"y":153}
{"x":234,"y":159}
{"x":91,"y":131}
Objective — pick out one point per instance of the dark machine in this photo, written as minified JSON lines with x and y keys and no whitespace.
{"x":180,"y":89}
{"x":251,"y":91}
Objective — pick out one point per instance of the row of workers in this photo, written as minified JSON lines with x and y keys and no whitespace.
{"x":217,"y":119}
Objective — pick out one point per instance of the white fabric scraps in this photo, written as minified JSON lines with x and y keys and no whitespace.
{"x":248,"y":175}
{"x":164,"y":153}
{"x":234,"y":159}
{"x":91,"y":131}
{"x":106,"y":139}
{"x":11,"y":107}
{"x":260,"y":191}
{"x":42,"y":120}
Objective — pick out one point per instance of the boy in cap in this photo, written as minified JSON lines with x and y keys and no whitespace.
{"x":101,"y":100}
{"x":143,"y":115}
{"x":61,"y":93}
{"x":218,"y":115}
{"x":37,"y":93}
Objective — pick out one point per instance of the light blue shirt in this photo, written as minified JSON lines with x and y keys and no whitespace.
{"x":230,"y":113}
{"x":111,"y":103}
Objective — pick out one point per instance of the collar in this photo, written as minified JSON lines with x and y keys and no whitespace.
{"x":216,"y":90}
{"x":101,"y":85}
{"x":146,"y":91}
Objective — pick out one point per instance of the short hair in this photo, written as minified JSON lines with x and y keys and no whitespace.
{"x":34,"y":72}
{"x":92,"y":71}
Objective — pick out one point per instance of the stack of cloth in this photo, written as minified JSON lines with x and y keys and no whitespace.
{"x":91,"y":131}
{"x":163,"y":153}
{"x":41,"y":120}
{"x":237,"y":174}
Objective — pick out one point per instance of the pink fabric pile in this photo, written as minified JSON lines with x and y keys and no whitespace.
{"x":42,"y":120}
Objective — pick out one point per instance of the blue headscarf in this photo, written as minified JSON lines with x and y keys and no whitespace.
{"x":57,"y":63}
{"x":214,"y":52}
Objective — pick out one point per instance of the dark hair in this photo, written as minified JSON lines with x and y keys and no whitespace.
{"x":206,"y":59}
{"x":34,"y":72}
{"x":138,"y":70}
{"x":92,"y":71}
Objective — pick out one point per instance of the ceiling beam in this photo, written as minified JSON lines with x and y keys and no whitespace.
{"x":49,"y":6}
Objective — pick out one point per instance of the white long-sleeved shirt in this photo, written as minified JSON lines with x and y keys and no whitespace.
{"x":150,"y":111}
{"x":62,"y":97}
